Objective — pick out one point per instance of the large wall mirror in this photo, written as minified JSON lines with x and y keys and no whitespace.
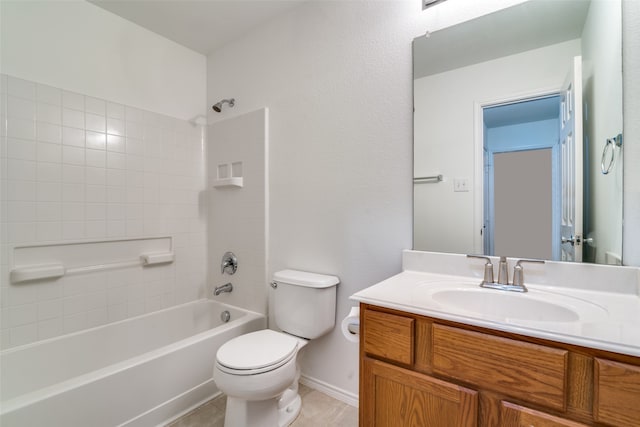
{"x":517,"y":133}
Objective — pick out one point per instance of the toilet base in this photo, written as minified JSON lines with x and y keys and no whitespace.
{"x":262,"y":413}
{"x":289,"y":405}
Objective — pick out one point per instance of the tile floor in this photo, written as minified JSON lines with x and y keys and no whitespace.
{"x":318,"y":409}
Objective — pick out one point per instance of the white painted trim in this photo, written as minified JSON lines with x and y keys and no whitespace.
{"x":478,"y":145}
{"x":330,"y":390}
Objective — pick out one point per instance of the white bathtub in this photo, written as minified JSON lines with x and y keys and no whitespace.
{"x":142,"y":371}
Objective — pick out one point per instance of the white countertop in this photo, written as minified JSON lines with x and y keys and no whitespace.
{"x":606,"y":320}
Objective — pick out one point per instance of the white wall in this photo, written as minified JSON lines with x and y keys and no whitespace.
{"x":336,"y":77}
{"x":446,"y":147}
{"x":602,"y":82}
{"x":81,"y":161}
{"x":77,"y":46}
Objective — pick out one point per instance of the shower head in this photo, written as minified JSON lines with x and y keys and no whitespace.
{"x":218,"y":107}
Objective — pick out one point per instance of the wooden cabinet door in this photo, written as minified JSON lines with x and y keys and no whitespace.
{"x":393,"y":396}
{"x":512,"y":415}
{"x":617,"y":393}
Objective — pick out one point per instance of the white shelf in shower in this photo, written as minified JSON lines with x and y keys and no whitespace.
{"x":236,"y":182}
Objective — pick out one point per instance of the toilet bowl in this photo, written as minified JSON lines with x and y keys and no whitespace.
{"x":259,"y":374}
{"x":258,"y":371}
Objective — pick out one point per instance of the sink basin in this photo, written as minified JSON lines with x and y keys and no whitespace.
{"x":533,"y":307}
{"x":505,"y":305}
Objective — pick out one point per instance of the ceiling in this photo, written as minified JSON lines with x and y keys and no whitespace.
{"x":529,"y":25}
{"x":201,"y":25}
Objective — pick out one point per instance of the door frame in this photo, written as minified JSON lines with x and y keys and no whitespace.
{"x":478,"y":152}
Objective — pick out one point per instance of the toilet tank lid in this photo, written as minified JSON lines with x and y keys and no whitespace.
{"x":304,"y":278}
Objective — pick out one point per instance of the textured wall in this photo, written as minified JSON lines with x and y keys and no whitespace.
{"x":77,"y":46}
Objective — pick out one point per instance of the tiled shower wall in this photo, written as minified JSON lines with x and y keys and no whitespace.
{"x":76,"y":168}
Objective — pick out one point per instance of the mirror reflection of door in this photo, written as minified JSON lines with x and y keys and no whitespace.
{"x":522,"y":178}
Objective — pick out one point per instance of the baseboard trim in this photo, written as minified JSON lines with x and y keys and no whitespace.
{"x":328,"y":389}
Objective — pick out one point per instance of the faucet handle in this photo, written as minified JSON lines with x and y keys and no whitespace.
{"x":518,"y":271}
{"x":488,"y":268}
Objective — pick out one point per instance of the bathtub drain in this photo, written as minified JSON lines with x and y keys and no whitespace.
{"x":225,"y":316}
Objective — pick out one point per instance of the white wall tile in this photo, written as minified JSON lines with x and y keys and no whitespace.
{"x":47,"y":152}
{"x":21,"y":170}
{"x":73,"y":192}
{"x":96,"y":211}
{"x":72,"y":118}
{"x":21,"y":149}
{"x":73,"y":212}
{"x":115,"y":143}
{"x":49,"y":231}
{"x":48,"y":94}
{"x":64,"y":179}
{"x":49,"y":211}
{"x":95,"y":122}
{"x":95,"y":176}
{"x":116,"y":160}
{"x":116,"y":177}
{"x":96,"y":193}
{"x":72,"y":230}
{"x":21,"y":128}
{"x":95,"y":106}
{"x":47,"y":132}
{"x":50,"y":328}
{"x":49,"y":113}
{"x":49,"y":191}
{"x":24,"y":334}
{"x":115,"y":110}
{"x":96,"y":229}
{"x":96,"y":158}
{"x":72,"y":155}
{"x":72,"y":100}
{"x":19,"y":108}
{"x":21,"y":88}
{"x":96,"y":140}
{"x":21,"y":211}
{"x":73,"y":174}
{"x":49,"y":172}
{"x":21,"y":190}
{"x":115,"y":126}
{"x":74,"y":137}
{"x":49,"y":309}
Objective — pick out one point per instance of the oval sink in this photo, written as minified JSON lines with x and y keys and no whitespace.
{"x":505,"y":305}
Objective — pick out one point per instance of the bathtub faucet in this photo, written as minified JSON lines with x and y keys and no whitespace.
{"x":224,"y":288}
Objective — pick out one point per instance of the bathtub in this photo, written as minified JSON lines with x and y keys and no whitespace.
{"x":142,"y":371}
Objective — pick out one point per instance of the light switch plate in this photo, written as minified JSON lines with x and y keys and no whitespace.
{"x":461,"y":184}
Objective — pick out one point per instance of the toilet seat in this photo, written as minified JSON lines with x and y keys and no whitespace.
{"x":256,"y":352}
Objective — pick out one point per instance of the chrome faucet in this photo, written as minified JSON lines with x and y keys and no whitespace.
{"x":503,"y":274}
{"x":224,"y":288}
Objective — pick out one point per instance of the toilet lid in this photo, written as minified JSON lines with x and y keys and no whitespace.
{"x":256,"y":350}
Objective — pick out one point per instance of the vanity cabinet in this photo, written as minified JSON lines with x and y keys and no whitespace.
{"x":422,"y":371}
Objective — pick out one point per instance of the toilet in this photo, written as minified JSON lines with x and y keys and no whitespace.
{"x":258,"y":371}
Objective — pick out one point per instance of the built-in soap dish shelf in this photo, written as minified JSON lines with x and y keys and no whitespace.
{"x":229,"y":182}
{"x":229,"y":175}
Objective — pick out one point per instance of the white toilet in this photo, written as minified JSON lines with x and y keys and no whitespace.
{"x":258,"y":371}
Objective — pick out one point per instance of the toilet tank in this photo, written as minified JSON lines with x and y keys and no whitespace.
{"x":304,"y":303}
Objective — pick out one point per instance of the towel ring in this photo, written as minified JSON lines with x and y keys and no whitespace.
{"x":608,"y":147}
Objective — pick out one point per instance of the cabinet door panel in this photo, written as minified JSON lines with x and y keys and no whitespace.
{"x":513,"y":415}
{"x":394,"y":397}
{"x":530,"y":372}
{"x":617,"y":393}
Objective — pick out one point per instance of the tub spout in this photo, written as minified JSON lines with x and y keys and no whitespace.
{"x":224,"y":288}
